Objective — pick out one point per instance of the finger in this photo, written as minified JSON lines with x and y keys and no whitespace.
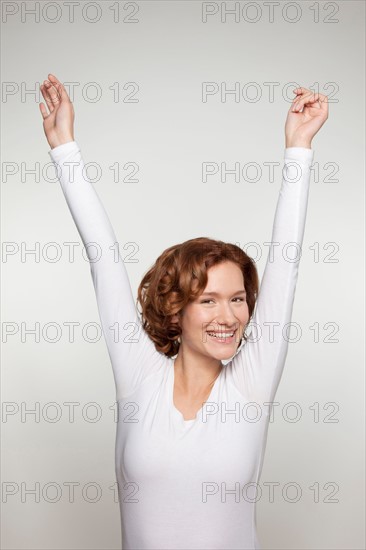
{"x":59,"y":87}
{"x":43,"y":110}
{"x":296,"y":91}
{"x":52,"y":93}
{"x":300,"y":91}
{"x":47,"y":97}
{"x":323,"y":101}
{"x":299,"y":101}
{"x":307,"y":99}
{"x":46,"y":94}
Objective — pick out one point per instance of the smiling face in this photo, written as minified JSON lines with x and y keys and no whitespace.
{"x":220,"y":309}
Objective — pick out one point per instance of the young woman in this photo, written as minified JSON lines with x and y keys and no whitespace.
{"x":192,"y":429}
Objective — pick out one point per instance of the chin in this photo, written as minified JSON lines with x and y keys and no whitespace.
{"x":224,"y":354}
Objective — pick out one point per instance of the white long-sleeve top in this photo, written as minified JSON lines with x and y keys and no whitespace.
{"x":190,"y":484}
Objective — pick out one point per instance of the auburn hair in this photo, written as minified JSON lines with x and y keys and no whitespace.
{"x":178,"y":277}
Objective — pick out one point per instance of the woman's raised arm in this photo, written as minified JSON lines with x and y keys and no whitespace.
{"x":257,"y":367}
{"x":132,"y":353}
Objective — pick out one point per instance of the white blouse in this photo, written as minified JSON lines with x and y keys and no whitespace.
{"x":190,"y":484}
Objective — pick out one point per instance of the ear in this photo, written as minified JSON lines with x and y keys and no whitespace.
{"x":175,"y":318}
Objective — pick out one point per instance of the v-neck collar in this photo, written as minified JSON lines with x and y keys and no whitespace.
{"x":176,"y":412}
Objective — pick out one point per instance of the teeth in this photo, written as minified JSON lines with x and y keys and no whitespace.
{"x":221,"y":335}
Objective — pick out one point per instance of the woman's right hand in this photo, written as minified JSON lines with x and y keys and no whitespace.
{"x":58,"y":123}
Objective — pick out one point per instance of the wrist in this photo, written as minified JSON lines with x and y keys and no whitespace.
{"x":61,"y":140}
{"x":300,"y":142}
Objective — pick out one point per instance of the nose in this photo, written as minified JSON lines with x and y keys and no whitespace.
{"x":225,"y":318}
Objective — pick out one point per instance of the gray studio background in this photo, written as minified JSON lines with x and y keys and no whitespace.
{"x":168,"y":52}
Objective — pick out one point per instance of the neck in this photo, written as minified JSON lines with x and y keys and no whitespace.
{"x":196,"y":376}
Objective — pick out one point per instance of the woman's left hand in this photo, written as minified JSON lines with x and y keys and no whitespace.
{"x":302,"y":126}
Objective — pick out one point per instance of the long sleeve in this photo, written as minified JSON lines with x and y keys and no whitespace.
{"x":133,"y":355}
{"x":257,"y":367}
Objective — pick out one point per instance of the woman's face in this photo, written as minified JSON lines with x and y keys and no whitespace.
{"x":225,"y":310}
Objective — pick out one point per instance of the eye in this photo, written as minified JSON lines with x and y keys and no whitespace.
{"x":206,"y":301}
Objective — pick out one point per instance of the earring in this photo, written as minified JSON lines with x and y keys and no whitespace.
{"x":178,"y":339}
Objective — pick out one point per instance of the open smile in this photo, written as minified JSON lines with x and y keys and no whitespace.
{"x":225,"y":337}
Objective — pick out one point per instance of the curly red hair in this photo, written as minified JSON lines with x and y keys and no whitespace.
{"x":178,"y":277}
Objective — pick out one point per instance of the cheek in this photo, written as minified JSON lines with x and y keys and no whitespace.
{"x":244,"y":314}
{"x":193,"y":323}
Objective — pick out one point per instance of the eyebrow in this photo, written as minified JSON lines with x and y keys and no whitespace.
{"x":217,"y":294}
